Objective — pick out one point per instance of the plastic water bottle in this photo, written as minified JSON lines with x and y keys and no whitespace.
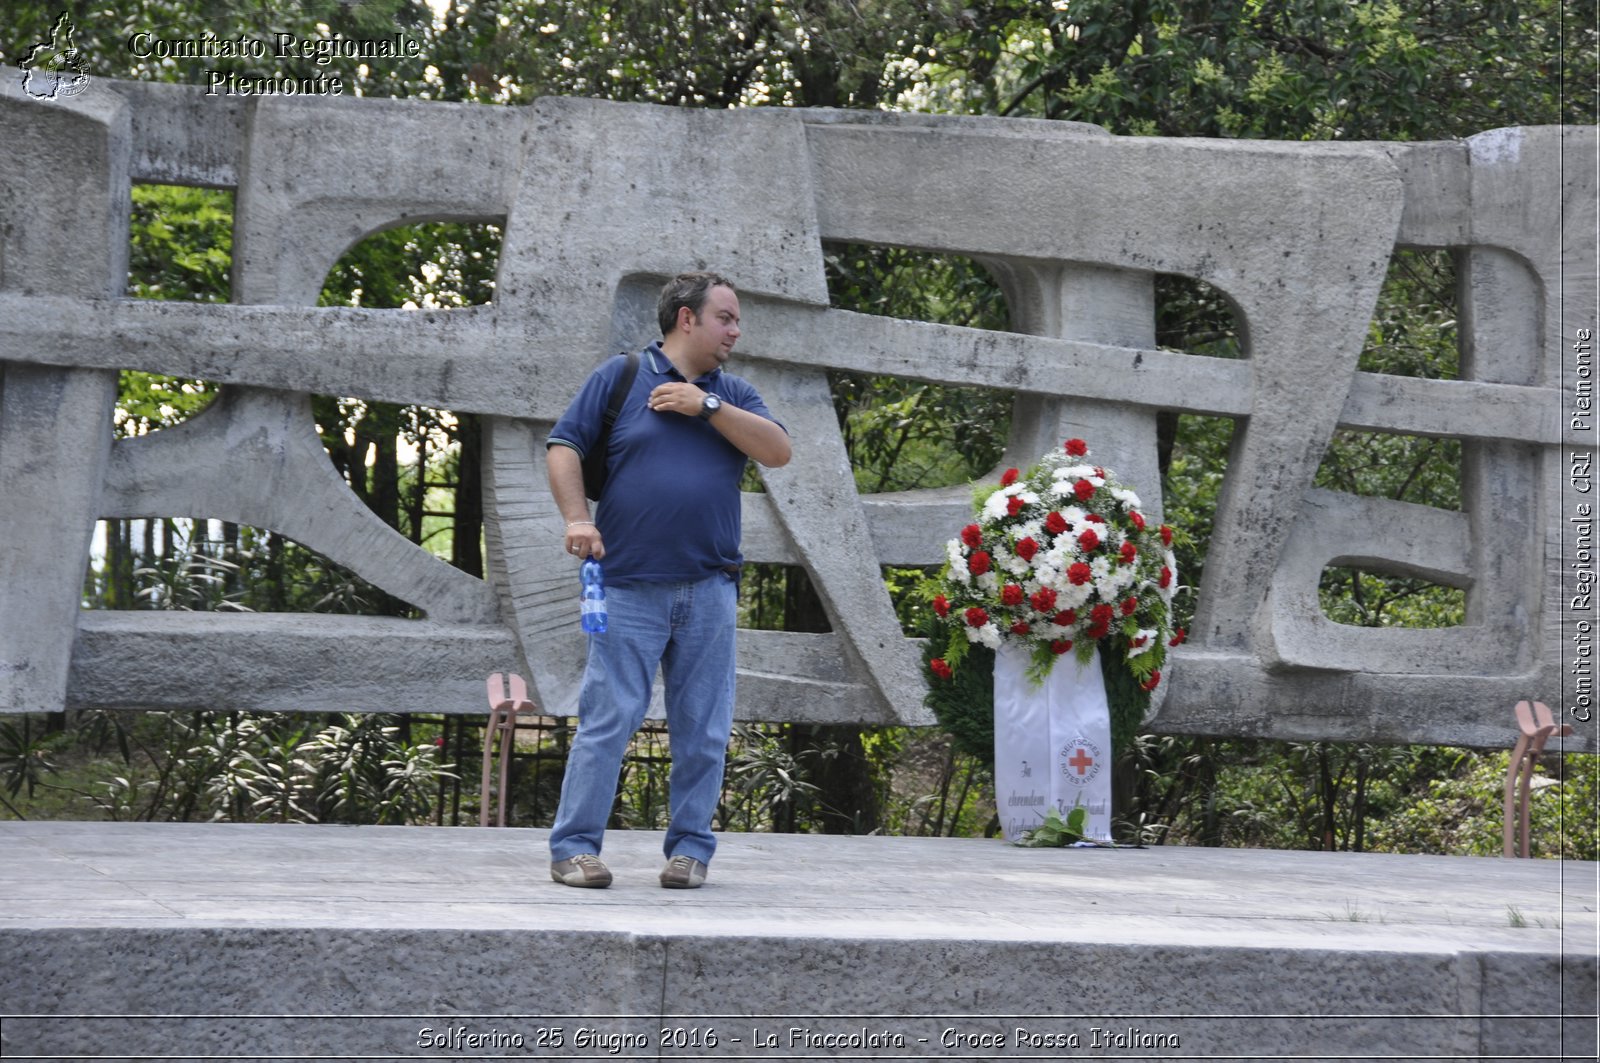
{"x":593,"y":600}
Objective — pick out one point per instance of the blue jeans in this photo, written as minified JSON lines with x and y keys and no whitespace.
{"x":688,"y":629}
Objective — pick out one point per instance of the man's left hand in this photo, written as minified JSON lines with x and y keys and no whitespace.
{"x":677,"y":398}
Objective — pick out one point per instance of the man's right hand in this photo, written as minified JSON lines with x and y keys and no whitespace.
{"x":583,"y":540}
{"x":566,"y":486}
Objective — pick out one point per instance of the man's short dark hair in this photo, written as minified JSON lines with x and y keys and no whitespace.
{"x":686,"y":289}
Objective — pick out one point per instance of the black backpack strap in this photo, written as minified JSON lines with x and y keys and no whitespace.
{"x":619,"y":395}
{"x":595,"y":471}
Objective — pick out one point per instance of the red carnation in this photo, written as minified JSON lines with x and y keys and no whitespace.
{"x":1021,"y":628}
{"x":1065,"y":618}
{"x":1026,"y":548}
{"x":1013,"y":506}
{"x":976,"y":617}
{"x":1061,"y":645}
{"x":1128,"y":553}
{"x":1098,"y":471}
{"x":1166,"y":535}
{"x":1129,"y":605}
{"x":1084,"y":490}
{"x":1088,"y":540}
{"x":1043,"y":600}
{"x":939,"y":668}
{"x":1153,"y":681}
{"x":1101,"y":614}
{"x":1136,"y":518}
{"x":1140,"y":641}
{"x":1178,"y":637}
{"x":1079,"y":573}
{"x":972,"y":535}
{"x":1166,"y":576}
{"x":941,"y":605}
{"x":1094,"y":518}
{"x":1009,"y":477}
{"x":1011,"y":594}
{"x":1076,"y":447}
{"x":1055,"y":523}
{"x":1097,"y":632}
{"x":979,"y":563}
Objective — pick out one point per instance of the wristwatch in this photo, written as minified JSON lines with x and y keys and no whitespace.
{"x":708,"y":406}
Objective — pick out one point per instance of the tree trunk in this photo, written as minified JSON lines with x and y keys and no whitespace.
{"x":466,"y":548}
{"x":849,"y":798}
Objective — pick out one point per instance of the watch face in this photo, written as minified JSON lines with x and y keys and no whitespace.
{"x":710,"y":405}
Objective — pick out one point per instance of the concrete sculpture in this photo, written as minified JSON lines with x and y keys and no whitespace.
{"x":1074,"y":223}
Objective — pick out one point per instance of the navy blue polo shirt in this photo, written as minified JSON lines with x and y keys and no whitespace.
{"x":671,"y":506}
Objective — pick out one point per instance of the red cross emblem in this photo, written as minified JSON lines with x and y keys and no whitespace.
{"x":1081,"y":760}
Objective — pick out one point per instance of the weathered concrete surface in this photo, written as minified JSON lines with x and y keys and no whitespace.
{"x":1233,"y":952}
{"x":54,"y":419}
{"x":1073,"y":223}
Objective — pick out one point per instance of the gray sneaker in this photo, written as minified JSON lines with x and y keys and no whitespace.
{"x":584,"y":871}
{"x":683,"y":873}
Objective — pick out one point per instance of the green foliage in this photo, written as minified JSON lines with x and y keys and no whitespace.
{"x":433,"y":266}
{"x":281,"y":768}
{"x":148,"y":401}
{"x":770,"y":777}
{"x":1056,"y":831}
{"x":1301,"y":69}
{"x":26,"y":755}
{"x":903,"y":434}
{"x":811,"y":53}
{"x":1460,"y":811}
{"x":964,"y":703}
{"x":180,"y":243}
{"x":180,"y":248}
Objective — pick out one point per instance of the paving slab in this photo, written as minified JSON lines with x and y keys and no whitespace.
{"x":123,"y":941}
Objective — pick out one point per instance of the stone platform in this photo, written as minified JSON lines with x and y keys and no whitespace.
{"x":122,"y":941}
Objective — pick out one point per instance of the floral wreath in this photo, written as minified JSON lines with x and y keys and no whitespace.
{"x":1060,"y":559}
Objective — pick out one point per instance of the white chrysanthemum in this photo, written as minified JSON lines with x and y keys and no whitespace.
{"x":989,"y":635}
{"x":1076,"y":516}
{"x":1015,"y":565}
{"x":1077,"y":472}
{"x":1128,"y":499}
{"x":1061,"y":555}
{"x":1122,"y":577}
{"x":958,"y":561}
{"x":1073,"y":596}
{"x":988,"y":582}
{"x":1149,"y":634}
{"x":997,"y":505}
{"x":1100,"y":568}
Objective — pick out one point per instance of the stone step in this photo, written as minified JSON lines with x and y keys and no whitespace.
{"x":257,"y":941}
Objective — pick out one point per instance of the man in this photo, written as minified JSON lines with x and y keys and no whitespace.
{"x":667,"y":528}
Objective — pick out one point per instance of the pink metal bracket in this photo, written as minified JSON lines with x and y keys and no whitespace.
{"x":508,"y":696}
{"x":1536,"y":726}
